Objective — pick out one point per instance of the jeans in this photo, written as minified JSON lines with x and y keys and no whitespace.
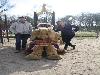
{"x":21,"y":40}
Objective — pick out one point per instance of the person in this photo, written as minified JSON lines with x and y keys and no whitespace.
{"x":22,"y":30}
{"x":58,"y":26}
{"x":67,"y":33}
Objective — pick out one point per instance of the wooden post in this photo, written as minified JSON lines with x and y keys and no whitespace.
{"x":53,"y":19}
{"x":35,"y":19}
{"x":6,"y":27}
{"x":1,"y":37}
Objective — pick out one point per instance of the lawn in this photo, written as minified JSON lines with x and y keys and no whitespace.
{"x":85,"y":34}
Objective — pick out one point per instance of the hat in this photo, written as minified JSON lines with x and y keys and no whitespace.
{"x":22,"y":17}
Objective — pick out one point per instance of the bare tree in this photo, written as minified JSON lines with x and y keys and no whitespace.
{"x":5,"y":5}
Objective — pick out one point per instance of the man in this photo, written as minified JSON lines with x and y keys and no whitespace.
{"x":22,"y":30}
{"x":58,"y":26}
{"x":67,"y":33}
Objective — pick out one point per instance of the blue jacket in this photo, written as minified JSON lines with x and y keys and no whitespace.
{"x":68,"y":32}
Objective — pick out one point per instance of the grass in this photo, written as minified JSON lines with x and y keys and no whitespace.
{"x":80,"y":35}
{"x":81,"y":38}
{"x":85,"y":34}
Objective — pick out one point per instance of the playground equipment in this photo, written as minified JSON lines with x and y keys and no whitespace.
{"x":44,"y":16}
{"x":44,"y":41}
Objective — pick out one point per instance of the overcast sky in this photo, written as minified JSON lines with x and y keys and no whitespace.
{"x":61,"y":7}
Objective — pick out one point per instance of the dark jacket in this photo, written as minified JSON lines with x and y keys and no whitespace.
{"x":68,"y":32}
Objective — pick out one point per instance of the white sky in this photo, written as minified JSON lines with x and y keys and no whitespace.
{"x":61,"y":7}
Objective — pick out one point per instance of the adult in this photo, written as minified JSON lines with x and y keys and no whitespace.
{"x":22,"y":30}
{"x":67,"y":33}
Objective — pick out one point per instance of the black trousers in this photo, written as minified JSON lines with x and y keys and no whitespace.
{"x":67,"y":42}
{"x":21,"y":40}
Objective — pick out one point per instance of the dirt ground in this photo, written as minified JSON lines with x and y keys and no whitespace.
{"x":84,"y":60}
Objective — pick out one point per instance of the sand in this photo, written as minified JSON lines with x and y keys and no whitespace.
{"x":84,"y":60}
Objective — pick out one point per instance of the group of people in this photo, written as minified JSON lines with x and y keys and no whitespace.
{"x":23,"y":29}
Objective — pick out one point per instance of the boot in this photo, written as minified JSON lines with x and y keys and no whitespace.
{"x":17,"y":51}
{"x":65,"y":47}
{"x":73,"y":46}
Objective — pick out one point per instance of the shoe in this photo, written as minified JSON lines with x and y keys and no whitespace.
{"x":17,"y":51}
{"x":73,"y":47}
{"x":23,"y":49}
{"x":65,"y":48}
